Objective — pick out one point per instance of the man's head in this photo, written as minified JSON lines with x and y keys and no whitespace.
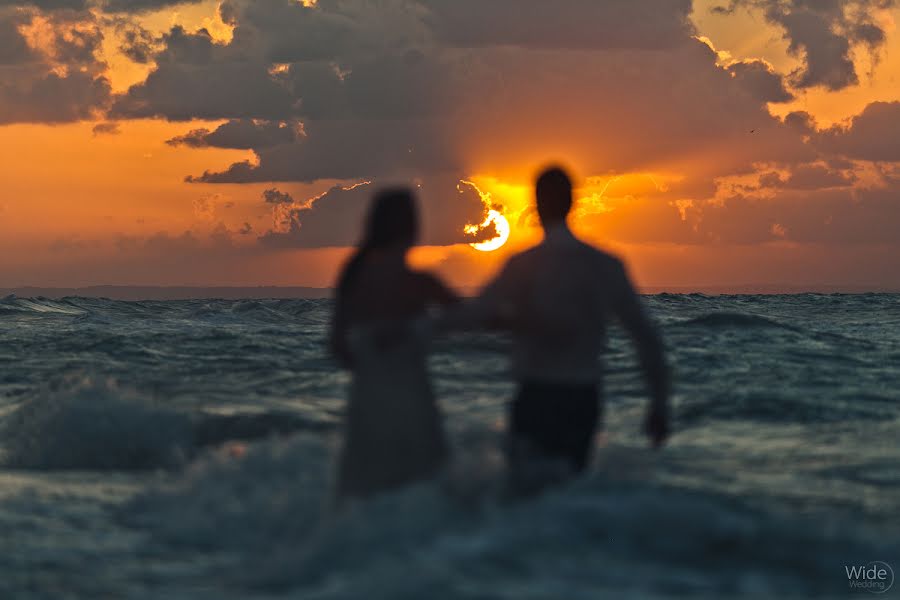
{"x":554,"y":196}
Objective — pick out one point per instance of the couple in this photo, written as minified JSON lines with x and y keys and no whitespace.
{"x":555,"y":299}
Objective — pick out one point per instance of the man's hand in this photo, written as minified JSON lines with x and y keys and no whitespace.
{"x":656,"y":425}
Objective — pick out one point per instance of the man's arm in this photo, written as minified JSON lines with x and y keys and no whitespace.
{"x":630,"y":312}
{"x":493,"y":308}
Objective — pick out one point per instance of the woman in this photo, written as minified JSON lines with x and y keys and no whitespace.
{"x":393,"y":433}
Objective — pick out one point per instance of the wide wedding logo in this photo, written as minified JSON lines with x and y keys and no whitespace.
{"x":876,"y":577}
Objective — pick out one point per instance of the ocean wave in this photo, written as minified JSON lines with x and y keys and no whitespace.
{"x":722,"y":319}
{"x":273,"y":310}
{"x":38,"y":306}
{"x":91,"y":425}
{"x":269,"y":509}
{"x":269,"y":312}
{"x":245,"y":499}
{"x":778,"y":406}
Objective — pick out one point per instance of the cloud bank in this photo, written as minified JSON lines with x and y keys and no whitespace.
{"x":432,"y":91}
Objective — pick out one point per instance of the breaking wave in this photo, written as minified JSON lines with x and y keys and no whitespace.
{"x":100,"y":426}
{"x":270,"y":509}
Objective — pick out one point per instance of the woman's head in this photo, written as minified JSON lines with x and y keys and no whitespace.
{"x":392,"y":223}
{"x":393,"y":220}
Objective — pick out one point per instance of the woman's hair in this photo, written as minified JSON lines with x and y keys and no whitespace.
{"x":392,"y":221}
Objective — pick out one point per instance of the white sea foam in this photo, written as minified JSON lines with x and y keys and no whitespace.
{"x":269,"y":509}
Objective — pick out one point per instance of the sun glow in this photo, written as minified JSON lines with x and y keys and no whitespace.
{"x":494,"y":216}
{"x":502,"y":226}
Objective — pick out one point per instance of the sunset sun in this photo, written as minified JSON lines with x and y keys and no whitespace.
{"x":502,"y":226}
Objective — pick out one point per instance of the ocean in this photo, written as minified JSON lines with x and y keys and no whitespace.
{"x":185,"y":449}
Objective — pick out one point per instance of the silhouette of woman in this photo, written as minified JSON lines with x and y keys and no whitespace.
{"x":393,"y":431}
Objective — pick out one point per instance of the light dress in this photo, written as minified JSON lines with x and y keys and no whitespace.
{"x":393,"y":434}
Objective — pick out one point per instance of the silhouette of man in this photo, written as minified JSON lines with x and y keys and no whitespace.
{"x":557,"y":298}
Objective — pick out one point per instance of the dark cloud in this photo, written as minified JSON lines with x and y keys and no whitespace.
{"x":574,"y":24}
{"x":273,"y":196}
{"x":107,"y":128}
{"x":13,"y":48}
{"x":760,"y":80}
{"x":827,"y":54}
{"x":240,"y":134}
{"x":348,"y":150}
{"x":51,"y":98}
{"x":66,"y":39}
{"x":335,"y":218}
{"x":809,"y":177}
{"x":874,"y":134}
{"x":834,"y":216}
{"x":662,"y":119}
{"x":407,"y":84}
{"x":48,"y":5}
{"x":78,"y":44}
{"x":59,"y":82}
{"x":287,"y":32}
{"x":138,"y":44}
{"x":141,"y":6}
{"x":183,"y":93}
{"x":801,"y":122}
{"x":838,"y":216}
{"x":823,"y":33}
{"x":196,"y":78}
{"x":261,"y":74}
{"x":422,"y":91}
{"x":381,"y":92}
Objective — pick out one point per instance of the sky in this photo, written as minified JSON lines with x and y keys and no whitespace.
{"x":713,"y":143}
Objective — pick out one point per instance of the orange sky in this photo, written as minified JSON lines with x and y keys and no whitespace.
{"x":78,"y":207}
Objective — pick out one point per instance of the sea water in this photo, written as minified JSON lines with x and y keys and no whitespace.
{"x":185,"y":450}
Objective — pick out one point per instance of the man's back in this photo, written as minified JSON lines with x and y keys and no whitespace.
{"x":557,"y":298}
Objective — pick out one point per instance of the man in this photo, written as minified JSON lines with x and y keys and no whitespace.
{"x":557,"y":298}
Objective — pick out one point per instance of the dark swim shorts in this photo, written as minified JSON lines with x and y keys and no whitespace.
{"x":554,"y":421}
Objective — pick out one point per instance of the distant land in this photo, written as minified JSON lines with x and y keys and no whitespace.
{"x":128,"y":292}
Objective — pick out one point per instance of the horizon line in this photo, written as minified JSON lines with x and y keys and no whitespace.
{"x":240,"y":292}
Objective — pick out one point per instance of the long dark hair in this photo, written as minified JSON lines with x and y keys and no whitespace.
{"x":392,"y":221}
